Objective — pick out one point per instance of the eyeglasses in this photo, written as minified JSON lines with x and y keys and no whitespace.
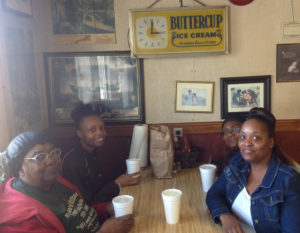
{"x":234,"y":130}
{"x":43,"y":156}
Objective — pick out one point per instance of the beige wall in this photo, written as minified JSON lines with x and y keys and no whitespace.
{"x":255,"y":29}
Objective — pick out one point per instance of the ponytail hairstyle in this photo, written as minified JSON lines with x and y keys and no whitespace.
{"x":82,"y":110}
{"x":269,"y":120}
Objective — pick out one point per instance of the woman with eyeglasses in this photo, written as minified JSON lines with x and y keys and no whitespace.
{"x":37,"y":199}
{"x":259,"y":191}
{"x":230,"y":129}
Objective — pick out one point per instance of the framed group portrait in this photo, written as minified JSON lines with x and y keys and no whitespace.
{"x":288,"y":63}
{"x":194,"y":96}
{"x":240,"y":94}
{"x":111,"y":81}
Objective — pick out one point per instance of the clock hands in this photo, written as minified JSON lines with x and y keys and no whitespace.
{"x":151,"y":26}
{"x":154,"y":31}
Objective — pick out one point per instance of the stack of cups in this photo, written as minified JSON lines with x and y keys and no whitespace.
{"x":172,"y":201}
{"x":123,"y":205}
{"x":133,"y":165}
{"x":208,"y":173}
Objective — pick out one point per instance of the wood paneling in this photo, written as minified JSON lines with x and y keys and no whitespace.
{"x":188,"y":128}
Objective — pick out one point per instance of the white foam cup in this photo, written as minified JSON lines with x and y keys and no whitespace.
{"x":208,"y":173}
{"x":123,"y":205}
{"x":133,"y":165}
{"x":172,"y":201}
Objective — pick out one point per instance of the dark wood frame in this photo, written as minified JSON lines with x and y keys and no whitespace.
{"x":264,"y":80}
{"x":56,"y":73}
{"x":288,"y":63}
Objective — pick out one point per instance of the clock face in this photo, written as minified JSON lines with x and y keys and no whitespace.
{"x":151,"y":32}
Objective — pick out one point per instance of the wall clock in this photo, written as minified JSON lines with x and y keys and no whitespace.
{"x":173,"y":31}
{"x":151,"y":32}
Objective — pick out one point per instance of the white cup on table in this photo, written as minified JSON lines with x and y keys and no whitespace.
{"x":208,"y":173}
{"x":172,"y":202}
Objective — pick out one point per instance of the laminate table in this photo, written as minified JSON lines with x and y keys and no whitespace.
{"x":149,"y":211}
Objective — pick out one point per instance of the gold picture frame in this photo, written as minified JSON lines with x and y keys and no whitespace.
{"x":193,"y":96}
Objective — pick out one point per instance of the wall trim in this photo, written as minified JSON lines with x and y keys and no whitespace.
{"x":188,"y":128}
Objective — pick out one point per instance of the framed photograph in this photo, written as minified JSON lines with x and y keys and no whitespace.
{"x":113,"y":81}
{"x":288,"y":63}
{"x":19,"y":6}
{"x":194,"y":96}
{"x":240,"y":94}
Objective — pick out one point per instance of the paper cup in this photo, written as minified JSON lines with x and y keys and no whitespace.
{"x":208,"y":173}
{"x":123,"y":205}
{"x":172,"y":201}
{"x":133,"y":165}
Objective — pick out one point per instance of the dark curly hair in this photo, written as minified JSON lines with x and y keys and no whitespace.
{"x":82,"y":110}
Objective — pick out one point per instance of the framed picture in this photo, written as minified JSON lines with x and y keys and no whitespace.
{"x":113,"y":81}
{"x":19,"y":6}
{"x":240,"y":94}
{"x":288,"y":63}
{"x":83,"y":22}
{"x":194,"y":96}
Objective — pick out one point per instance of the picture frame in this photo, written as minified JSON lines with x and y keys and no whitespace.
{"x":22,"y":7}
{"x":288,"y":63}
{"x":240,"y":94}
{"x":111,"y":81}
{"x":194,"y":96}
{"x":94,"y":24}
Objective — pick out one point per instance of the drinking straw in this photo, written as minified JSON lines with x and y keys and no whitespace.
{"x":120,"y":189}
{"x":174,"y":184}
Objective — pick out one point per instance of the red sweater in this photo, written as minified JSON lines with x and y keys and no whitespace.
{"x":21,"y":213}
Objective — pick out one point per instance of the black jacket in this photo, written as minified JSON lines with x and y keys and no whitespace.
{"x":81,"y":168}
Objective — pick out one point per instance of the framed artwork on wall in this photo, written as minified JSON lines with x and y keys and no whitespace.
{"x":288,"y":63}
{"x":113,"y":81}
{"x":194,"y":96}
{"x":83,"y":22}
{"x":22,"y":7}
{"x":240,"y":94}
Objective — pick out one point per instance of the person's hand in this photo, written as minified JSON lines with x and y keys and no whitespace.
{"x":230,"y":224}
{"x":117,"y":225}
{"x":110,"y":210}
{"x":129,"y":179}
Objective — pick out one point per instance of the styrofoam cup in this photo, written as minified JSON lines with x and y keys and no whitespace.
{"x":172,"y":201}
{"x":123,"y":205}
{"x":133,"y":165}
{"x":208,"y":173}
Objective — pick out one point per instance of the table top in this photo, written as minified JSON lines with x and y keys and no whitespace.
{"x":149,"y":211}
